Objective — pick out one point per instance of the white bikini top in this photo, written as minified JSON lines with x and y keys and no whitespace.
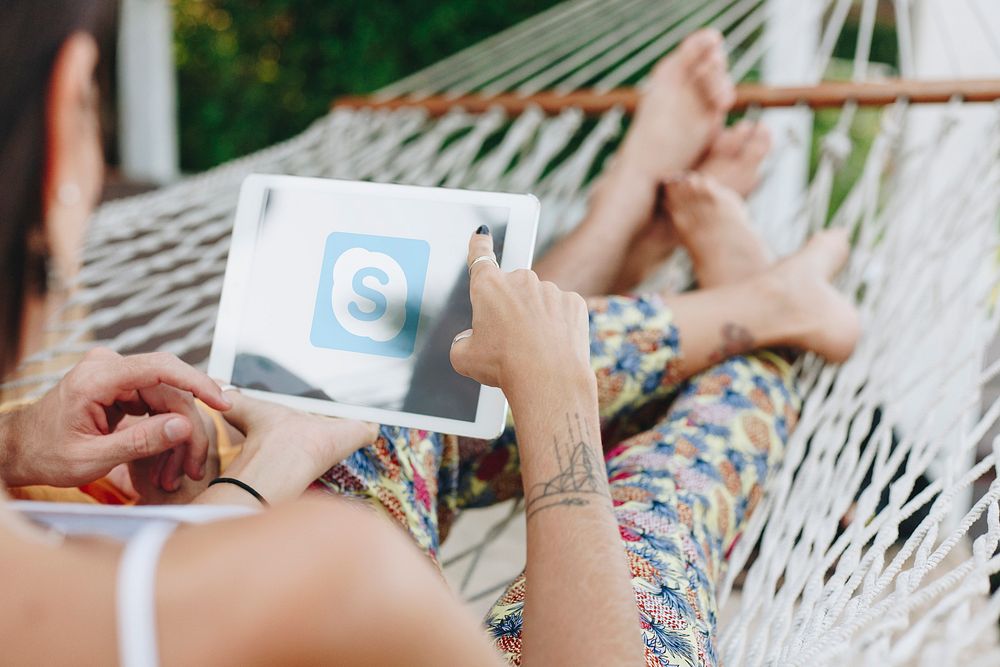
{"x":145,"y":531}
{"x":136,"y":595}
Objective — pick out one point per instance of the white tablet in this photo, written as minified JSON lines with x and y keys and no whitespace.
{"x":342,"y":298}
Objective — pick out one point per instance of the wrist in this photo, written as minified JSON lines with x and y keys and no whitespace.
{"x":13,"y":428}
{"x":228,"y":494}
{"x":570,"y":383}
{"x":277,"y":479}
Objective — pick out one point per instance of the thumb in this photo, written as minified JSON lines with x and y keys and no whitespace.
{"x":357,"y":435}
{"x":147,"y":437}
{"x":461,"y":352}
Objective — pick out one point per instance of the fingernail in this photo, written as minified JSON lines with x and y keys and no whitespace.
{"x":174,"y":429}
{"x":484,"y":230}
{"x":226,"y":388}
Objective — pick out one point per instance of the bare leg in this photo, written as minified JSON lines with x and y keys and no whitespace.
{"x":650,"y":248}
{"x":679,"y":116}
{"x":791,"y":305}
{"x":297,"y":585}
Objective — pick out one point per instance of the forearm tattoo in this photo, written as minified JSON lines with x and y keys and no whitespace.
{"x":736,"y":340}
{"x":581,"y":478}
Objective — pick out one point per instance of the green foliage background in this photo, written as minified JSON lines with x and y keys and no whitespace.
{"x":254,"y":72}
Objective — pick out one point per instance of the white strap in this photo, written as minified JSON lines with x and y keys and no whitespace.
{"x":137,"y":646}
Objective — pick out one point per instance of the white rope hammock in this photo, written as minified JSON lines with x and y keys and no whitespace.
{"x":880,"y":437}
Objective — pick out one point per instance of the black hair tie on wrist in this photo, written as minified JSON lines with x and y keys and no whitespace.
{"x":243,"y":485}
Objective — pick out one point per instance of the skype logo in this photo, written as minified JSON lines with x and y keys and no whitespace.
{"x":369,"y":294}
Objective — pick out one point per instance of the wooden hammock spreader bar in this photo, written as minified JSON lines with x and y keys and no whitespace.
{"x":831,"y":94}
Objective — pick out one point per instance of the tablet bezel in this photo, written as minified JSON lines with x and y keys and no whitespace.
{"x":518,"y":251}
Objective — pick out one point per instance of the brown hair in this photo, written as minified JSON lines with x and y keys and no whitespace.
{"x":31,"y":34}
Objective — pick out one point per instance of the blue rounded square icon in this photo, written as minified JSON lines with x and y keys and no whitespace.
{"x":369,"y":295}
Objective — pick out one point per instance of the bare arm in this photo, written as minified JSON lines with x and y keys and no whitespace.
{"x":77,"y":432}
{"x":313,"y":582}
{"x":579,"y":608}
{"x":531,"y":339}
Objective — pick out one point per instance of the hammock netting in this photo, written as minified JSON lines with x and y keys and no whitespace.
{"x":875,"y":544}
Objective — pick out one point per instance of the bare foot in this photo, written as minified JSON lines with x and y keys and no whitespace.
{"x":682,"y":109}
{"x":713,"y":224}
{"x":681,"y":112}
{"x":733,"y":160}
{"x":824,"y":321}
{"x":736,"y":156}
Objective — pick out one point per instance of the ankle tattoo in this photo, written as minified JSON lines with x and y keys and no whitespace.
{"x":736,"y":340}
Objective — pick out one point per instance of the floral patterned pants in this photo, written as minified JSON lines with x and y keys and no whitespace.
{"x":686,"y":464}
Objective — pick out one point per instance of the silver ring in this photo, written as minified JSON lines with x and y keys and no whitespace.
{"x":461,"y":336}
{"x":483,"y":258}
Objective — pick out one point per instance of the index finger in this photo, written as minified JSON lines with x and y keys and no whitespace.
{"x":148,"y":370}
{"x":481,"y":245}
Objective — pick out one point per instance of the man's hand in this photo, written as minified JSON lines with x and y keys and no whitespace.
{"x":71,"y":436}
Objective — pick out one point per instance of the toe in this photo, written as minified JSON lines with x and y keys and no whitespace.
{"x":711,"y":187}
{"x":698,"y":49}
{"x":709,"y":68}
{"x":693,"y":52}
{"x":725,"y":199}
{"x":723,"y":95}
{"x":842,"y":327}
{"x":741,"y":135}
{"x":758,"y":142}
{"x":713,"y":83}
{"x":730,"y":141}
{"x":697,"y":45}
{"x":830,"y":250}
{"x":701,"y":185}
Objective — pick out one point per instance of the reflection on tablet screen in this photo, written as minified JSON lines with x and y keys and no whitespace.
{"x":356,"y":300}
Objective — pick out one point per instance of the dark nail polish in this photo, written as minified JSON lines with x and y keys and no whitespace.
{"x":484,"y":230}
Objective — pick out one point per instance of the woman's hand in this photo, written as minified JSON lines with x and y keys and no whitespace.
{"x":532,"y":340}
{"x":286,"y":450}
{"x":72,"y":436}
{"x":525,"y":334}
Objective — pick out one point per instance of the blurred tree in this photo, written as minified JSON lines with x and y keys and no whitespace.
{"x":254,"y":72}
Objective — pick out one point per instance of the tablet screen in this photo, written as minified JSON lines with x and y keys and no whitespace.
{"x":355,"y":299}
